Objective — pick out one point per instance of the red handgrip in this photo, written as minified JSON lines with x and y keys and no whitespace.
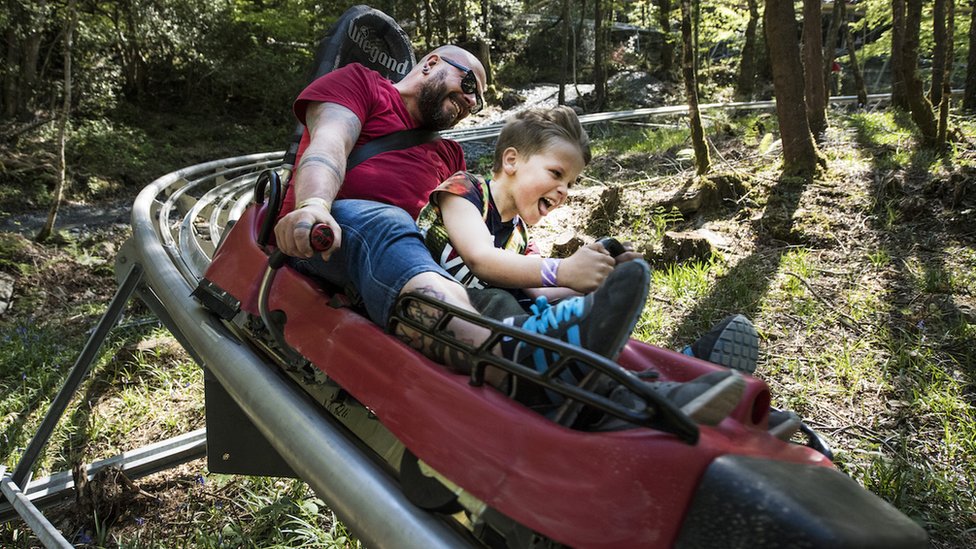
{"x":321,"y":237}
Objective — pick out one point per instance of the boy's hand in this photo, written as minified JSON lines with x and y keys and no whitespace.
{"x":628,"y":255}
{"x":621,"y":252}
{"x":586,"y":269}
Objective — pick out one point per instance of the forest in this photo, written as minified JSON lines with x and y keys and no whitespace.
{"x":839,"y":215}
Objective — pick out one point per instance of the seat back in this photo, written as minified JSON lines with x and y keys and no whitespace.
{"x":361,"y":35}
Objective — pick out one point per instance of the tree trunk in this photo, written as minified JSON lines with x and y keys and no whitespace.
{"x":462,"y":11}
{"x":938,"y":51}
{"x":899,"y":92}
{"x":600,"y":57}
{"x":830,"y":51}
{"x":10,"y":88}
{"x":800,"y":155}
{"x":52,"y":215}
{"x":921,"y":108}
{"x":485,"y":44}
{"x":31,"y":50}
{"x":969,"y":97}
{"x":664,"y":9}
{"x":946,"y":83}
{"x":129,"y":43}
{"x":814,"y":91}
{"x":862,"y":91}
{"x":565,"y":53}
{"x":696,"y":27}
{"x":702,"y":162}
{"x":746,"y":81}
{"x":443,"y":14}
{"x":428,"y":27}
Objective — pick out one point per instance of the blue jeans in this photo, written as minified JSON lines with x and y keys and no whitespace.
{"x":381,"y":250}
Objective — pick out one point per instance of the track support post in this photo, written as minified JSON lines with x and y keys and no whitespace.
{"x":21,"y":475}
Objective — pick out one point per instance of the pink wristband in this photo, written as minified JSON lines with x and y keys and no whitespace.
{"x":550,"y":267}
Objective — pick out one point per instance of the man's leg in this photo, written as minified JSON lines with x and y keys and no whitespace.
{"x":434,"y":285}
{"x":382,"y":257}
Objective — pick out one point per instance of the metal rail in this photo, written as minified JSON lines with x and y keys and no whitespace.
{"x":490,"y":131}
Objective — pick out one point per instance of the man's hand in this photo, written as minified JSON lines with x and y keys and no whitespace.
{"x":293,"y":230}
{"x":586,"y":269}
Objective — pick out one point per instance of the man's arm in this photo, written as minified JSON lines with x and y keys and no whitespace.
{"x":333,"y":131}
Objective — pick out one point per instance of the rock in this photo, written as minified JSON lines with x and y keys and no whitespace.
{"x":509,"y":99}
{"x":566,"y":243}
{"x":692,"y":245}
{"x":6,"y":291}
{"x":709,"y":192}
{"x":635,"y":89}
{"x":604,"y":210}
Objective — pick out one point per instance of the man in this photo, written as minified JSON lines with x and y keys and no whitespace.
{"x":378,"y":250}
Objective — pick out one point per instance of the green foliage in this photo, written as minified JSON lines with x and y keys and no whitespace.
{"x":647,"y":140}
{"x":721,"y":24}
{"x":874,"y":18}
{"x":109,"y":156}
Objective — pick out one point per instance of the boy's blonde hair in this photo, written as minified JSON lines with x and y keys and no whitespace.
{"x":532,"y":130}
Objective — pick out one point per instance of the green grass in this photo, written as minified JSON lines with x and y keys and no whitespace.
{"x":629,"y":139}
{"x":868,"y":334}
{"x":887,"y":133}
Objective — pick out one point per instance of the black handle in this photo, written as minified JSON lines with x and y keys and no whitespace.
{"x":612,"y":245}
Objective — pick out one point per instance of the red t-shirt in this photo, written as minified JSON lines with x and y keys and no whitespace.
{"x":402,"y":178}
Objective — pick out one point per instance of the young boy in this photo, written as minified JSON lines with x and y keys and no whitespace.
{"x":476,"y":228}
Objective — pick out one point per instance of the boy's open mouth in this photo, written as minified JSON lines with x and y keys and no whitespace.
{"x":545,"y":205}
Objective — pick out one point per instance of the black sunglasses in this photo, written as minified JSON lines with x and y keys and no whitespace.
{"x":469,"y":84}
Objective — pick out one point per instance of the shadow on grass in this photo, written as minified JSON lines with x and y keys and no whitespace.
{"x":48,"y":375}
{"x":742,"y":288}
{"x":932,"y":364}
{"x":37,"y":362}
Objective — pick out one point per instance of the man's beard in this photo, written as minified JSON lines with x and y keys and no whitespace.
{"x":432,"y":97}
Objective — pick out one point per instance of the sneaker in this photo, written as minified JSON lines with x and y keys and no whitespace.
{"x":706,"y":400}
{"x":600,"y":322}
{"x":733,"y":343}
{"x":783,"y":424}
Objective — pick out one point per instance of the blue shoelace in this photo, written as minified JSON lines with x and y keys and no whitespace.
{"x":546,"y":317}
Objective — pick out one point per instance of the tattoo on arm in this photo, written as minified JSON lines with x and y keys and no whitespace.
{"x":322,"y":160}
{"x":339,"y":122}
{"x":351,"y":126}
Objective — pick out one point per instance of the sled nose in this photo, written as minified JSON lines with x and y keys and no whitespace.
{"x":746,"y":501}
